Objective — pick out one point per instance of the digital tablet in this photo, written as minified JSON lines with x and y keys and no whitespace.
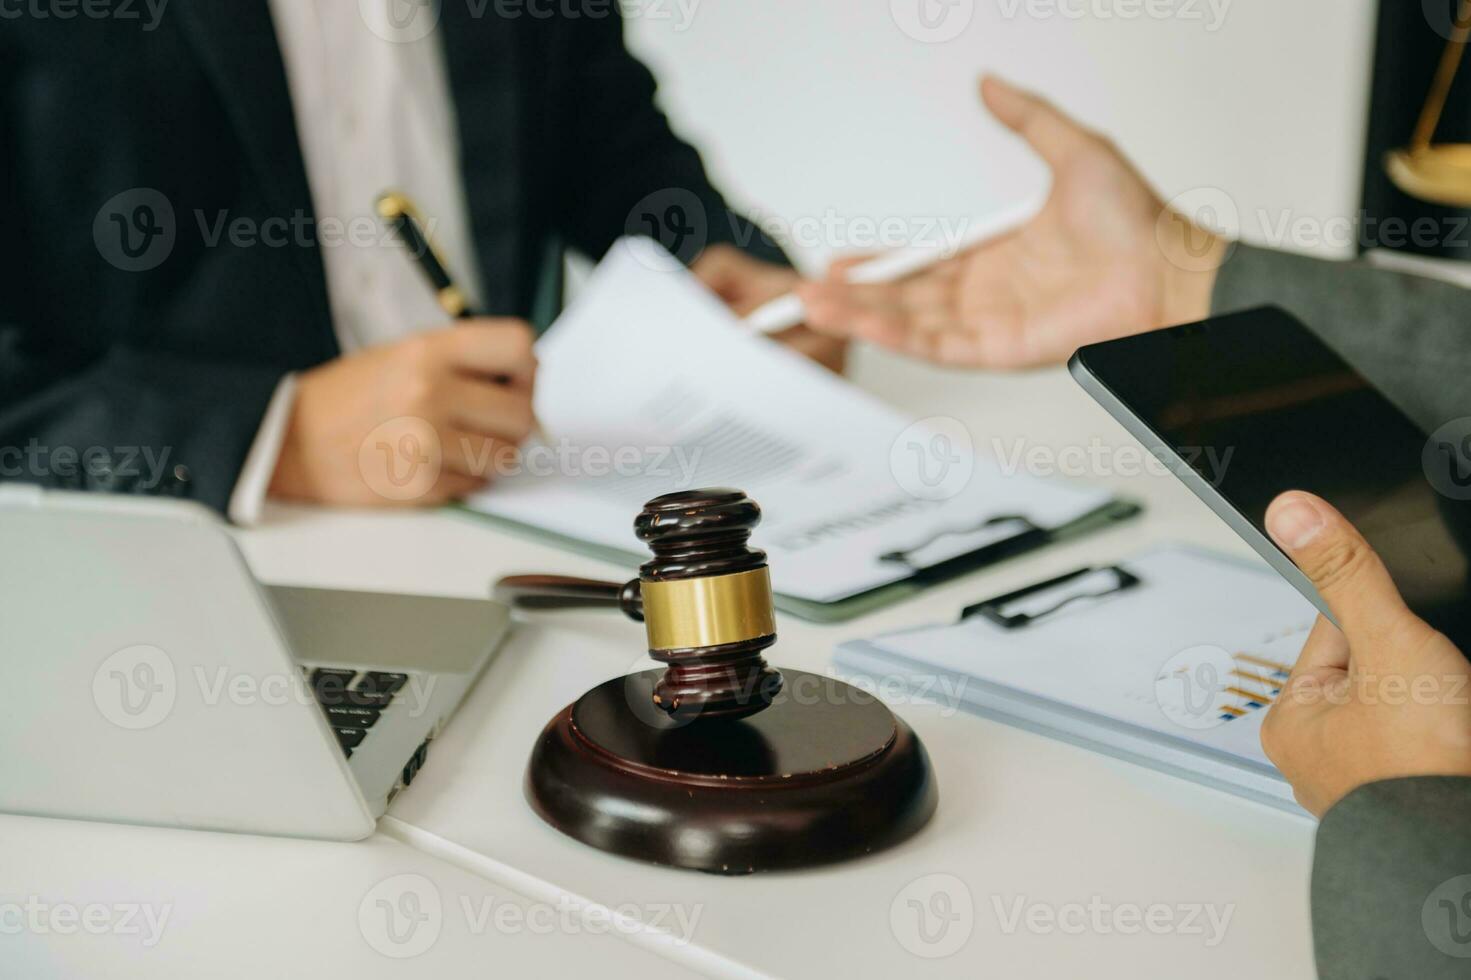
{"x":1244,"y":407}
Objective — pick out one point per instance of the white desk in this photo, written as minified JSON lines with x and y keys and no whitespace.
{"x":1021,"y":819}
{"x":221,"y":906}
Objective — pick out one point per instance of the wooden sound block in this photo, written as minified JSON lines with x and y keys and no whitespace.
{"x":825,"y":773}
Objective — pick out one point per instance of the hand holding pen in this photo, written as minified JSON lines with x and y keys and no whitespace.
{"x":429,"y":418}
{"x":401,"y":215}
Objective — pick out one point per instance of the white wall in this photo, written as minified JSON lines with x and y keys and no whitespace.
{"x":829,"y":110}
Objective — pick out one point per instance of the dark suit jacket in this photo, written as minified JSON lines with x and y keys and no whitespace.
{"x":1391,"y":886}
{"x":108,"y":348}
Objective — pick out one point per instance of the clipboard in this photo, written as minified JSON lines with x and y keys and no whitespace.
{"x":863,"y":504}
{"x":1168,"y":660}
{"x":1025,"y":537}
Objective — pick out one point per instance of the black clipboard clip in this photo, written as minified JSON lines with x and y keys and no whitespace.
{"x":1023,"y":536}
{"x":996,"y":609}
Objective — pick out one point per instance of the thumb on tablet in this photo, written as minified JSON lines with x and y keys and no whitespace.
{"x":1344,"y":568}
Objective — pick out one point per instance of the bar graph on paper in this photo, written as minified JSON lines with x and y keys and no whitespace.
{"x":1208,"y":686}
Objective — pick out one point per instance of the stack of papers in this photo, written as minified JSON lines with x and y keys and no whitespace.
{"x":649,"y":385}
{"x":1176,"y":673}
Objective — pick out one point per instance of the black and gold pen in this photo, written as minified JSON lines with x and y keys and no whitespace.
{"x":400,"y":214}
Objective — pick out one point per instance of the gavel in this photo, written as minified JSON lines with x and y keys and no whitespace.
{"x":705,"y":601}
{"x":717,"y":763}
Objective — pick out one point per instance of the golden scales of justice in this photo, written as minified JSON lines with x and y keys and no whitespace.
{"x":1437,"y":173}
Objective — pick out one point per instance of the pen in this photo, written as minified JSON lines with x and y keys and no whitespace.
{"x":399,"y":213}
{"x":786,"y":312}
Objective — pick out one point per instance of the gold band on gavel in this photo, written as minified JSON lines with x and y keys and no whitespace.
{"x":704,"y":612}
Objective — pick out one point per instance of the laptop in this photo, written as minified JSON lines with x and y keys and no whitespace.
{"x":152,"y":680}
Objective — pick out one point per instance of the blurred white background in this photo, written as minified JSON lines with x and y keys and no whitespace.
{"x":839,"y":113}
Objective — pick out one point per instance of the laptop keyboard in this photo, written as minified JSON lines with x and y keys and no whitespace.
{"x":353,"y":700}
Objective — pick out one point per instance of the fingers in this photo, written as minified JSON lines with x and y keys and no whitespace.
{"x":838,"y":269}
{"x":890,"y":314}
{"x":829,"y":352}
{"x":1325,"y":652}
{"x":742,"y":282}
{"x":488,"y":409}
{"x":1344,"y":569}
{"x":1052,"y":134}
{"x":451,"y":486}
{"x":479,"y":457}
{"x":491,"y":348}
{"x":875,"y":315}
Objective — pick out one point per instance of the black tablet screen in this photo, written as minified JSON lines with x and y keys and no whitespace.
{"x":1257,"y":405}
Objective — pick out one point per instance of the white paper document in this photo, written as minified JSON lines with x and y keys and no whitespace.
{"x":1179,"y":670}
{"x":649,"y":385}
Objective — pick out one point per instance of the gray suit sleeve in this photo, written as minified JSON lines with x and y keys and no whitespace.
{"x":1392,"y":882}
{"x":1408,"y":335}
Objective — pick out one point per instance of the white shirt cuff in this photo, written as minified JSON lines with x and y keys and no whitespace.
{"x":260,"y":463}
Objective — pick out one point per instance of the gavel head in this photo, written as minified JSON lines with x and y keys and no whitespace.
{"x":707,"y":604}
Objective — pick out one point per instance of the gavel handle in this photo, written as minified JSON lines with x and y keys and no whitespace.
{"x":560,"y":592}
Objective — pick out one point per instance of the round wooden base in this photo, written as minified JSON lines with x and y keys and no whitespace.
{"x":823,"y":774}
